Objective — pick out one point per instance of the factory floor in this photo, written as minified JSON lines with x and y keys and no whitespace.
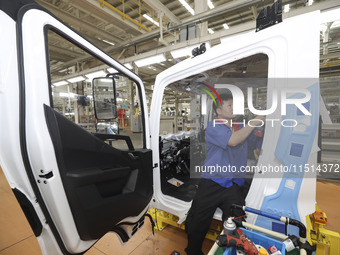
{"x":16,"y":236}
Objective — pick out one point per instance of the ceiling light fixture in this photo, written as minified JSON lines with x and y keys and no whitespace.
{"x":60,"y":83}
{"x":225,"y":26}
{"x":108,"y":42}
{"x":100,"y":73}
{"x":286,"y":8}
{"x":150,"y":60}
{"x":76,"y":79}
{"x":128,"y":66}
{"x":210,"y":31}
{"x":310,"y":2}
{"x":71,"y":95}
{"x":187,"y":6}
{"x":151,"y":19}
{"x":210,"y":4}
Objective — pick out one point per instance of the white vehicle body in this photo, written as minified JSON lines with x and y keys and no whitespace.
{"x":282,"y":43}
{"x":27,"y":150}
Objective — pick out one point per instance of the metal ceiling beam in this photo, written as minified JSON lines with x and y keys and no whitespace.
{"x":157,"y":5}
{"x":97,"y":13}
{"x":254,"y":11}
{"x":330,"y":56}
{"x":68,"y":18}
{"x":64,"y":51}
{"x":155,"y":34}
{"x":325,"y":5}
{"x":105,"y":9}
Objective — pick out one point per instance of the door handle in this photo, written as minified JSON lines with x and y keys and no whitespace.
{"x":133,"y":157}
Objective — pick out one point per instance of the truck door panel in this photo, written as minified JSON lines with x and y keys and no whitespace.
{"x":80,"y":186}
{"x":97,"y":177}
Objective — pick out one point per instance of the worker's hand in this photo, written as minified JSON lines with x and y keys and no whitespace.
{"x":257,"y":121}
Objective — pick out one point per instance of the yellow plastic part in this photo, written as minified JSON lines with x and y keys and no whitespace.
{"x":327,"y":242}
{"x":162,"y":219}
{"x":124,"y":15}
{"x":263,"y":251}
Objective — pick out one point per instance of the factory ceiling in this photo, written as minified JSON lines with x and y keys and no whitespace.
{"x":127,"y":29}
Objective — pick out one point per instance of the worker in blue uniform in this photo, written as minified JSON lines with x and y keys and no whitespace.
{"x":221,"y":185}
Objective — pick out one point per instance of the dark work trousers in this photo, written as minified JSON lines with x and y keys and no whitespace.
{"x":209,"y":196}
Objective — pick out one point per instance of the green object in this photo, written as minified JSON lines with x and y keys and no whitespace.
{"x":219,"y":251}
{"x":293,"y":252}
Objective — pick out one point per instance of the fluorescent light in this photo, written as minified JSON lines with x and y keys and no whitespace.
{"x":63,"y":94}
{"x":76,"y":79}
{"x":151,"y":19}
{"x":152,"y":68}
{"x":100,"y":73}
{"x":310,"y":2}
{"x":210,"y":4}
{"x":150,"y":60}
{"x":108,"y":42}
{"x":225,"y":26}
{"x":286,"y":8}
{"x":60,"y":83}
{"x":210,"y":31}
{"x":112,"y":70}
{"x":185,"y":4}
{"x":128,"y":66}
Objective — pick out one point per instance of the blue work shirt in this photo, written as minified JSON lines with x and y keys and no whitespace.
{"x":227,"y":160}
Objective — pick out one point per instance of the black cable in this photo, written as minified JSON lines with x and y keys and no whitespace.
{"x":152,"y":223}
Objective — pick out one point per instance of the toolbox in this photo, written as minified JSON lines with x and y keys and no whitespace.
{"x":260,"y":239}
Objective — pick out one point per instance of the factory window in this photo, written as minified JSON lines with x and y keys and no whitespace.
{"x":72,"y":70}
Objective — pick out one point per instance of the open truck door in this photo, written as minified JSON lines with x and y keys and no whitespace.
{"x":269,"y":60}
{"x":72,"y":185}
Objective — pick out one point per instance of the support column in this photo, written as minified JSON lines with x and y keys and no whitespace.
{"x":176,"y":115}
{"x":326,"y":39}
{"x":201,"y":6}
{"x":131,"y":103}
{"x":64,"y":106}
{"x":76,"y":114}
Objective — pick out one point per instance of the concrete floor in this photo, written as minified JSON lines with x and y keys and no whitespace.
{"x":16,"y":236}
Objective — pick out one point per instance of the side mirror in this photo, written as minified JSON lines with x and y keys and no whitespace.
{"x":104,"y":98}
{"x":107,"y":128}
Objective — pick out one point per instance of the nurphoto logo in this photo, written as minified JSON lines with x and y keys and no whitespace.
{"x":238,"y":104}
{"x":238,"y":100}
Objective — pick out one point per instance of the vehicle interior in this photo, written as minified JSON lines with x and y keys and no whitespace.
{"x":188,"y":111}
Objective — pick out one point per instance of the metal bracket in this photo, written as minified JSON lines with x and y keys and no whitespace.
{"x":46,"y":176}
{"x":269,"y":16}
{"x":199,"y":50}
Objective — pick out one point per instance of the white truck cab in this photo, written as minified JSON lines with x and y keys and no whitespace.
{"x":74,"y":187}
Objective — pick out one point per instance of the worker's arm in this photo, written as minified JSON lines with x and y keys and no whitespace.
{"x":239,"y":136}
